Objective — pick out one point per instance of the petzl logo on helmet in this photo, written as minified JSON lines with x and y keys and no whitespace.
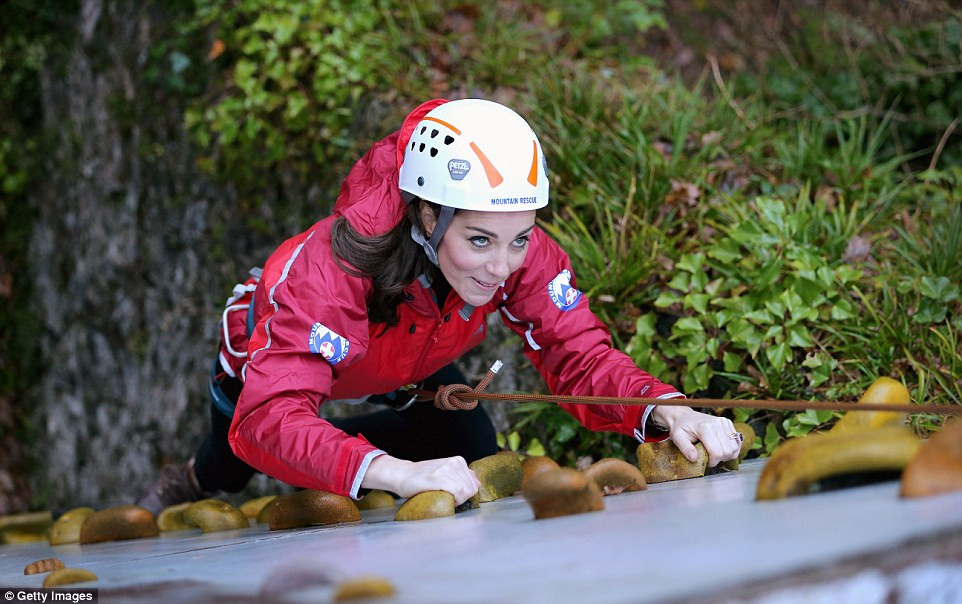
{"x":458,"y":168}
{"x":562,"y":294}
{"x":328,"y":344}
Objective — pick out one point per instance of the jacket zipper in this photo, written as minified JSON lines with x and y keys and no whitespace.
{"x":437,"y":330}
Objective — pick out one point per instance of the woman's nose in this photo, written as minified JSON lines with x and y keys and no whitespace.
{"x":498,"y":264}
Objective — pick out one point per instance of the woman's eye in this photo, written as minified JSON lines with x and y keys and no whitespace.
{"x":479,"y":241}
{"x":521,"y":241}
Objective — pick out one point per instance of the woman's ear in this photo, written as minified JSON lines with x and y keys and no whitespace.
{"x":428,"y":219}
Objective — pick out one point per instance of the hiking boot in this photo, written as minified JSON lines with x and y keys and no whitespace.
{"x":176,"y":484}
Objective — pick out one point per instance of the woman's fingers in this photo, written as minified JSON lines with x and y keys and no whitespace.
{"x":720,"y":440}
{"x":450,"y":474}
{"x":716,"y":434}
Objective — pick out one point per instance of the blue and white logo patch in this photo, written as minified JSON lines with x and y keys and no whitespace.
{"x":328,"y":344}
{"x":458,"y":168}
{"x":562,"y":294}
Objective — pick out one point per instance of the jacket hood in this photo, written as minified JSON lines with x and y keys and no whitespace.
{"x":369,"y":197}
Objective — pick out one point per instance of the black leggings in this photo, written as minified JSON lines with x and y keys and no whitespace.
{"x":418,"y":433}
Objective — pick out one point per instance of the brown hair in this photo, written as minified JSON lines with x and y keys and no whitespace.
{"x":392,"y":261}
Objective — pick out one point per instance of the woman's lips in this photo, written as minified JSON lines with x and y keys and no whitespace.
{"x":484,"y":285}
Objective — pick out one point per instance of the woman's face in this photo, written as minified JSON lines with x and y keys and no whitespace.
{"x":480,"y":249}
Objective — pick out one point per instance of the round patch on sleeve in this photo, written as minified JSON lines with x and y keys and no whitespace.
{"x":328,"y":344}
{"x":562,"y":294}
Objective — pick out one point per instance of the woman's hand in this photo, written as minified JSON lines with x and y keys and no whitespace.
{"x":687,"y":426}
{"x":407,"y":478}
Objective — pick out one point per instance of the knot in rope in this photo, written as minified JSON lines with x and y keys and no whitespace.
{"x":449,"y":398}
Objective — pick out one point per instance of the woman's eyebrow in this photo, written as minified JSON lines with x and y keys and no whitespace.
{"x":491,"y":235}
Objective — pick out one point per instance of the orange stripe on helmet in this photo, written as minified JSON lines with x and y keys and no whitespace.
{"x":494,"y":177}
{"x":443,"y":123}
{"x":533,"y":173}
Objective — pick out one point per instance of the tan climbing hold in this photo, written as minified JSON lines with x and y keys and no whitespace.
{"x":309,"y":508}
{"x":614,"y":476}
{"x":66,"y":528}
{"x":119,"y":523}
{"x":500,"y":476}
{"x":213,"y":515}
{"x":936,"y":467}
{"x":364,"y":587}
{"x":429,"y":504}
{"x":799,"y":463}
{"x":663,"y":461}
{"x":562,"y":492}
{"x":68,"y":576}
{"x":376,"y":499}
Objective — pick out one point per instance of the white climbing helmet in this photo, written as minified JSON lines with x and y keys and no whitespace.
{"x":473,"y":154}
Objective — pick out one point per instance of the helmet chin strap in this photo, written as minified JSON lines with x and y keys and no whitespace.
{"x":431,"y":245}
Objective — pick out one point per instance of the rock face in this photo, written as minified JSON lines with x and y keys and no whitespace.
{"x":133,"y":253}
{"x":122,"y":269}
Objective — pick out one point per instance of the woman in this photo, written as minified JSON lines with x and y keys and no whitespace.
{"x":433,"y":230}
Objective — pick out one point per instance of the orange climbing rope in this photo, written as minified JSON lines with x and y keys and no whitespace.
{"x":461,"y":397}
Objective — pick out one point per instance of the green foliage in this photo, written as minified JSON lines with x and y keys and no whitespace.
{"x":934,"y":246}
{"x":562,"y":438}
{"x":757,"y":293}
{"x":294,"y":75}
{"x":512,"y":442}
{"x":605,"y":29}
{"x":302,"y":84}
{"x":835,"y":65}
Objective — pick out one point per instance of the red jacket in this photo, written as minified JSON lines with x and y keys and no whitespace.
{"x":313,"y":341}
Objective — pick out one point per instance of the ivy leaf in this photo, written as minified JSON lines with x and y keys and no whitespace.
{"x":687,"y":325}
{"x":769,"y":273}
{"x":842,"y":310}
{"x":732,"y":362}
{"x":691,"y":263}
{"x":746,"y":335}
{"x":800,"y":337}
{"x":697,"y":302}
{"x":697,"y":379}
{"x":759,"y":316}
{"x":681,"y":281}
{"x":535,"y":448}
{"x":666,"y":299}
{"x":772,"y":437}
{"x":779,"y":354}
{"x":807,"y":290}
{"x":776,"y":308}
{"x":645,"y":325}
{"x":726,"y":251}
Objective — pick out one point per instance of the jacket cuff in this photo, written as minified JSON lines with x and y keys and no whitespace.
{"x":640,"y":430}
{"x":362,"y":470}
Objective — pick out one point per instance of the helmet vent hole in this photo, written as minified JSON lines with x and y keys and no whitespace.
{"x":421,"y":148}
{"x":433,"y":151}
{"x":412,"y":145}
{"x":448,"y":140}
{"x":434,"y":133}
{"x":423,"y":128}
{"x":420,"y":181}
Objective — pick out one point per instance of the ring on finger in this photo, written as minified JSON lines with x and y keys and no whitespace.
{"x":736,"y":436}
